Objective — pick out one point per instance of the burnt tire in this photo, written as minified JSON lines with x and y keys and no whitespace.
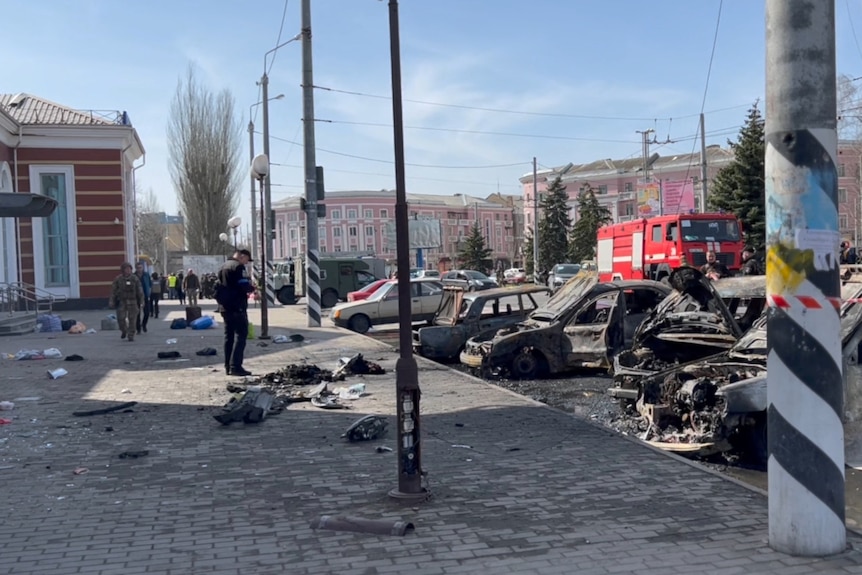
{"x":285,"y":298}
{"x":359,"y":323}
{"x":526,"y":365}
{"x":329,"y":298}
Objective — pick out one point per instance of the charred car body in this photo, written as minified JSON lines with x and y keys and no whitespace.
{"x":464,"y":314}
{"x":584,"y":324}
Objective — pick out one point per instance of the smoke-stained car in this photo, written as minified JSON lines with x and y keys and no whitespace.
{"x":584,"y":324}
{"x":561,"y":273}
{"x":465,"y":314}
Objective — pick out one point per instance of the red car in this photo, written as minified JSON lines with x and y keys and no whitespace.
{"x":365,"y":292}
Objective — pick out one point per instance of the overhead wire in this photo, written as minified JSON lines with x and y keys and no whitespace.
{"x":853,"y":27}
{"x":271,"y":62}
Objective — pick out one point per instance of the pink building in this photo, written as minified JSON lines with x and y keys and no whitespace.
{"x":849,"y":197}
{"x":355,"y":223}
{"x":672,"y":184}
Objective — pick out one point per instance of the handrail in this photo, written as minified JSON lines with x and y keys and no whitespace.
{"x":23,"y":297}
{"x":40,"y":293}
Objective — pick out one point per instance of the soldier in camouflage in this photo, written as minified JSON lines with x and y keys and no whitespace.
{"x":127,"y":296}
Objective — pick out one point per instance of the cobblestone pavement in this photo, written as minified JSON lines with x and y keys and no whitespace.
{"x":536,"y":492}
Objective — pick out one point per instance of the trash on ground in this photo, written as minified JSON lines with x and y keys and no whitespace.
{"x":207,"y":351}
{"x":383,"y":449}
{"x":5,"y":421}
{"x":126,"y":391}
{"x":78,"y":328}
{"x":6,"y":406}
{"x":359,"y":524}
{"x":205,"y":322}
{"x":327,"y":401}
{"x":74,"y":357}
{"x":33,"y":398}
{"x":171,"y":341}
{"x":252,"y":407}
{"x":28,"y":354}
{"x":461,"y":446}
{"x":169,"y":354}
{"x":353,"y":392}
{"x":134,"y":454}
{"x":80,"y":471}
{"x":104,"y":410}
{"x":366,"y":428}
{"x":357,"y":365}
{"x":90,"y":331}
{"x":57,"y":373}
{"x":280,"y":339}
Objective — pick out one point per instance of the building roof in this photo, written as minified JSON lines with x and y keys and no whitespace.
{"x":27,"y":109}
{"x":450,"y":201}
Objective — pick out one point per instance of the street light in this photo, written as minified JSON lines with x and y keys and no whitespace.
{"x":233,"y":224}
{"x":254,"y":238}
{"x":223,"y":237}
{"x":260,"y":171}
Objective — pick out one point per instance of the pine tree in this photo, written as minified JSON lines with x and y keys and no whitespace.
{"x":740,"y":188}
{"x":475,"y":255}
{"x":554,"y":226}
{"x":591,"y":216}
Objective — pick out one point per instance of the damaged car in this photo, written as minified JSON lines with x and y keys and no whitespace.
{"x":584,"y":324}
{"x":464,"y":314}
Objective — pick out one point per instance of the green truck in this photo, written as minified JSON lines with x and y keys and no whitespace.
{"x":338,"y":277}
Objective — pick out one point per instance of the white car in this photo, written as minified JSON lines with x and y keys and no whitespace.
{"x":515,"y":276}
{"x":382,"y":306}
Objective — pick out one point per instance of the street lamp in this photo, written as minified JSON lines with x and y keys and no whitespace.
{"x":260,"y":171}
{"x":254,"y":238}
{"x":223,"y":237}
{"x":233,"y":224}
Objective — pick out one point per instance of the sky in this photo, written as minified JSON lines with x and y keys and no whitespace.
{"x":487,"y":84}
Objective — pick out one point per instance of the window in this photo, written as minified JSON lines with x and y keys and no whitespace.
{"x":840,"y":170}
{"x":352,"y":232}
{"x":629,"y":209}
{"x":656,"y":234}
{"x":291,"y":217}
{"x":351,"y":214}
{"x":629,"y":187}
{"x":336,"y":214}
{"x":369,"y":214}
{"x":497,"y":217}
{"x":337,"y":248}
{"x":293,"y":252}
{"x":322,"y":247}
{"x":353,"y":247}
{"x":842,"y":195}
{"x":369,"y":231}
{"x":602,"y":190}
{"x":336,"y":232}
{"x":321,"y":231}
{"x":842,"y":222}
{"x":672,"y":232}
{"x":292,"y":233}
{"x":597,"y":311}
{"x":384,"y":213}
{"x":55,"y":231}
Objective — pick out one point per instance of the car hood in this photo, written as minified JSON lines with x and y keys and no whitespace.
{"x":566,"y":296}
{"x":693,"y":314}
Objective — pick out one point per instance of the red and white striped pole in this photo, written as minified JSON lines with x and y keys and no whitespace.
{"x":804,"y":383}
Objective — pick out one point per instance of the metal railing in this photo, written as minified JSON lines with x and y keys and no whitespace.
{"x":21,"y":297}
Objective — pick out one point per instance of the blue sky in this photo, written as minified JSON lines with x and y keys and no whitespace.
{"x":623,"y":65}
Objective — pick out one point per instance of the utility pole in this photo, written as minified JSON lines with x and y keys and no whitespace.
{"x":703,"y":166}
{"x":312,"y":239}
{"x":266,"y":243}
{"x":407,"y":392}
{"x":804,"y":382}
{"x":254,"y":238}
{"x":535,"y":224}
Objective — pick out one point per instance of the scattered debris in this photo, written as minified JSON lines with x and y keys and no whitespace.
{"x":105,"y":410}
{"x":355,"y":391}
{"x":4,"y":421}
{"x":383,"y":449}
{"x":74,"y":357}
{"x":169,"y":354}
{"x":134,"y":454}
{"x":109,"y":428}
{"x":80,"y":471}
{"x":461,"y":446}
{"x":366,"y":428}
{"x":252,"y":407}
{"x":327,"y":401}
{"x":57,"y":373}
{"x":6,"y":406}
{"x":126,"y":391}
{"x":171,"y":341}
{"x":357,"y":365}
{"x":207,"y":351}
{"x":379,"y":527}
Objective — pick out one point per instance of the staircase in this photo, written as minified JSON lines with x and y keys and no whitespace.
{"x":21,"y":304}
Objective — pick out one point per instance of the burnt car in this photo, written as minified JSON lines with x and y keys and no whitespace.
{"x":584,"y":324}
{"x":701,"y":318}
{"x":464,"y":314}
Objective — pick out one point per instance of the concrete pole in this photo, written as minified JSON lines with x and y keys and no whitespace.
{"x":535,"y":224}
{"x":266,"y":243}
{"x":407,"y":392}
{"x":254,"y":238}
{"x":703,"y":166}
{"x":804,"y":391}
{"x":312,"y":239}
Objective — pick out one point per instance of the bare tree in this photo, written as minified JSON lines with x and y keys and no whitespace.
{"x":151,"y":228}
{"x":204,"y":149}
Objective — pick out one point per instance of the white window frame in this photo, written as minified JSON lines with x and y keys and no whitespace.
{"x":369,"y":214}
{"x":73,"y":291}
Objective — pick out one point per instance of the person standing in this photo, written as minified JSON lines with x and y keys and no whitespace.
{"x":127,"y":297}
{"x":750,"y":264}
{"x":172,"y":286}
{"x":714,"y":269}
{"x":146,"y":285}
{"x":181,"y":295}
{"x":191,"y":287}
{"x":155,"y":295}
{"x":232,"y":296}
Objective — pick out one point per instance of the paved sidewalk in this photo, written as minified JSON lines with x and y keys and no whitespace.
{"x":536,"y":492}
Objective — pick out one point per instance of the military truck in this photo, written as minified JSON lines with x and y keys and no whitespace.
{"x":338,"y":277}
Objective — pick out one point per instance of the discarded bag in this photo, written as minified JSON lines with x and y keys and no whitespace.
{"x":169,"y":354}
{"x":78,"y":328}
{"x":74,"y":357}
{"x":250,"y":331}
{"x":207,"y":351}
{"x":179,"y":323}
{"x":57,"y":373}
{"x":205,"y":322}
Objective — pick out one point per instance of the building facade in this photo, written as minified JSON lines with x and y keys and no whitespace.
{"x":84,"y":160}
{"x":357,"y":222}
{"x":849,"y":196}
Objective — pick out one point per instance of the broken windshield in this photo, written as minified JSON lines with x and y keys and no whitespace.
{"x":570,"y":293}
{"x":710,"y":231}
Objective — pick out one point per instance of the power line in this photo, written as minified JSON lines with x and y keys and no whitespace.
{"x":853,"y":27}
{"x":524,"y":112}
{"x":278,"y":40}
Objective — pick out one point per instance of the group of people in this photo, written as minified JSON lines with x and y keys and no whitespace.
{"x":714,"y":269}
{"x":136,"y":295}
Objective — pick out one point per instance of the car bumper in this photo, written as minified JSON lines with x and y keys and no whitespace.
{"x":341,"y":322}
{"x":471,"y":360}
{"x":620,"y":393}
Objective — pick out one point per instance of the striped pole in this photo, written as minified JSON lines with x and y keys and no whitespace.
{"x":270,"y":287}
{"x":804,"y":390}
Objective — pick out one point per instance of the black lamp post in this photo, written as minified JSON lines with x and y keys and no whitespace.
{"x":260,"y":169}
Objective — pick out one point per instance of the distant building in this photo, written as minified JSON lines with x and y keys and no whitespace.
{"x":849,"y":197}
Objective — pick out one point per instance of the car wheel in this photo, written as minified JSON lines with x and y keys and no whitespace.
{"x":359,"y":323}
{"x":285,"y":298}
{"x":329,"y":298}
{"x":525,"y":365}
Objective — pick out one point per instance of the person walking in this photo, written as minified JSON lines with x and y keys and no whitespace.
{"x":146,"y":285}
{"x":127,"y":297}
{"x":191,"y":287}
{"x":155,"y":295}
{"x":232,"y":297}
{"x":181,"y":295}
{"x":172,"y":286}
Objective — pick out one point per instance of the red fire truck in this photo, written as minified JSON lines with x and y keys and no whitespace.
{"x":651,"y":248}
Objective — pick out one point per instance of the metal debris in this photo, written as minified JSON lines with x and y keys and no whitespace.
{"x":366,"y":428}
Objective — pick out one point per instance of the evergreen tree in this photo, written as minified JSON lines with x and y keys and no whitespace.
{"x":528,"y":252}
{"x":591,"y":216}
{"x":739,"y":187}
{"x":554,"y":226}
{"x":475,"y":255}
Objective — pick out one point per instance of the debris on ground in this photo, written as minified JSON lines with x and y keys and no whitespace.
{"x":252,"y":407}
{"x":169,"y":354}
{"x":353,"y":392}
{"x":366,"y":428}
{"x":383,"y":449}
{"x":134,"y":454}
{"x":207,"y":351}
{"x":105,"y":410}
{"x":80,"y":471}
{"x":57,"y":373}
{"x":327,"y":401}
{"x":358,"y":365}
{"x":6,"y":406}
{"x":74,"y":357}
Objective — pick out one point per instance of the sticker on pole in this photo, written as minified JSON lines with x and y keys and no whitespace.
{"x":824,"y":244}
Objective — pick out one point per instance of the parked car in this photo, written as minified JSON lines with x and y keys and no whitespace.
{"x":561,"y":273}
{"x":465,"y":314}
{"x":515,"y":276}
{"x":366,"y":292}
{"x":382,"y":306}
{"x":433,"y":274}
{"x":584,"y":324}
{"x":470,"y":280}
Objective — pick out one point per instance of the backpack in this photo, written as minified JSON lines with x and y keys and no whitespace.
{"x":221,"y":293}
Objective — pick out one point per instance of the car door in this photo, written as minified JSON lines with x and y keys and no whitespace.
{"x":430,"y":294}
{"x":591,"y":331}
{"x":387,"y":306}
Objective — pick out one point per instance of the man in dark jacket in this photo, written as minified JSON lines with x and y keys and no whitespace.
{"x":750,"y":264}
{"x":147,"y":285}
{"x":233,"y":306}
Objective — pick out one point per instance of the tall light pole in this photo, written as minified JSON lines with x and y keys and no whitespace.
{"x":406,"y":371}
{"x":223,"y":237}
{"x":253,"y":193}
{"x":805,"y":392}
{"x":234,"y":223}
{"x":266,"y":228}
{"x":535,"y":224}
{"x":260,"y":170}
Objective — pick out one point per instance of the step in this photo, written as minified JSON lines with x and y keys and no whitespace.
{"x":17,"y":324}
